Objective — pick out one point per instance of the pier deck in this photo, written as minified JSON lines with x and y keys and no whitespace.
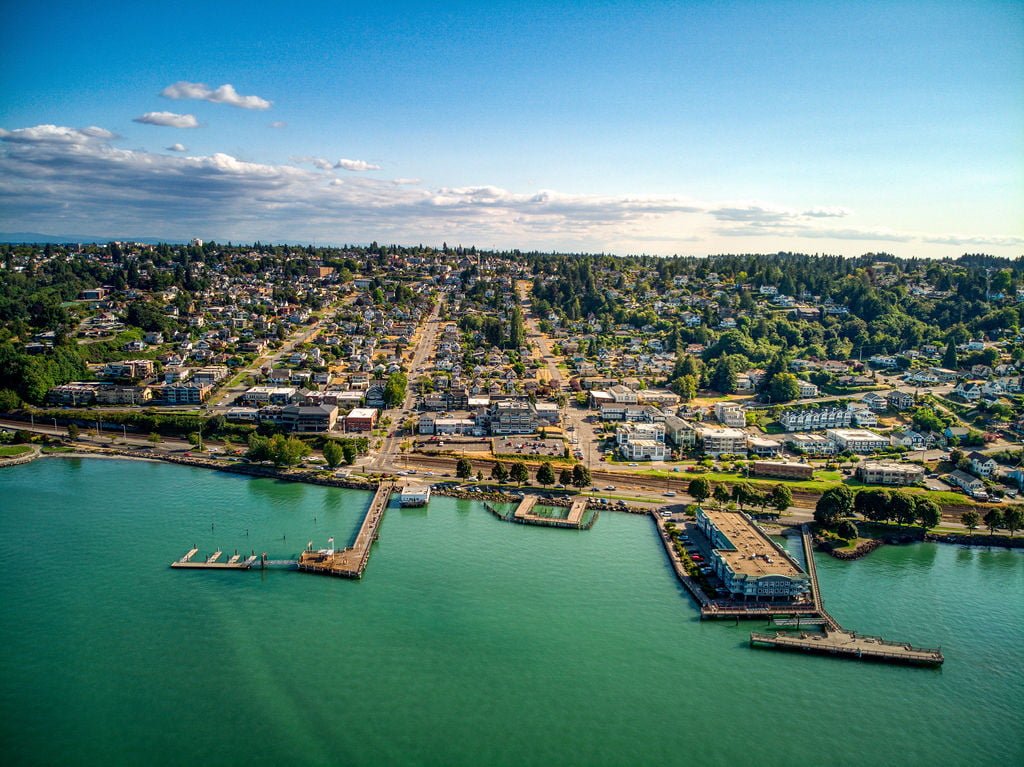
{"x":351,"y":562}
{"x":235,"y":563}
{"x":851,"y":645}
{"x":524,"y":513}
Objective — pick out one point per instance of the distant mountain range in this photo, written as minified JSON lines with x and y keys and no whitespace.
{"x":36,"y":237}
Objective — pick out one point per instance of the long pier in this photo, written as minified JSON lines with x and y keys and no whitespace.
{"x":351,"y":562}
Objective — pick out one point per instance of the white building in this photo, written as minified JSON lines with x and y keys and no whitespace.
{"x":719,"y":441}
{"x":643,"y":450}
{"x":857,"y":440}
{"x":730,"y":414}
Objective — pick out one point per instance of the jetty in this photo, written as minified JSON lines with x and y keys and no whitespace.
{"x":351,"y":562}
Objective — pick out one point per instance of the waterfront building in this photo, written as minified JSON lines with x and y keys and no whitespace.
{"x":749,"y":564}
{"x":890,"y":473}
{"x":361,"y":419}
{"x":783,"y":469}
{"x":309,"y":418}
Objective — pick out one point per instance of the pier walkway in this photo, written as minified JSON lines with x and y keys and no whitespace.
{"x":851,"y":645}
{"x":524,"y":514}
{"x":351,"y":562}
{"x":235,"y":562}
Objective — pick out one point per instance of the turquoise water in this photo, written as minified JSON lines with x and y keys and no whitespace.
{"x":469,"y":642}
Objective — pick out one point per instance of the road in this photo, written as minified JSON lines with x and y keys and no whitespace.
{"x":543,"y":354}
{"x":383,"y":458}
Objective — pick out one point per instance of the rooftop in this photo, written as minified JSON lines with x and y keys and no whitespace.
{"x":754,"y":555}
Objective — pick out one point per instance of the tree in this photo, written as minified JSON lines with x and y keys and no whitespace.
{"x":259,"y":448}
{"x":723,"y":379}
{"x":847,"y":530}
{"x":565,"y":477}
{"x":519,"y":473}
{"x":498,"y":472}
{"x":463,"y":469}
{"x":700,"y":489}
{"x":780,"y":498}
{"x":73,"y":431}
{"x":783,"y":388}
{"x":333,"y":454}
{"x":1013,"y":520}
{"x":833,"y":505}
{"x":949,"y":358}
{"x":904,"y":510}
{"x":970,"y":520}
{"x":873,"y":505}
{"x":154,"y":437}
{"x":581,"y":476}
{"x":956,"y":456}
{"x":196,"y":440}
{"x":721,"y":495}
{"x":743,"y":494}
{"x":350,"y":452}
{"x":288,"y":451}
{"x":546,"y":475}
{"x":394,"y":389}
{"x":993,"y":520}
{"x":928,"y":512}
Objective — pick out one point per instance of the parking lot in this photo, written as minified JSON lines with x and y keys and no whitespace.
{"x":529,"y":447}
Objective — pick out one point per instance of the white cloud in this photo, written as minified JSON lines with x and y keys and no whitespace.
{"x":177,"y":148}
{"x":55,"y":133}
{"x":224,"y":94}
{"x":356,"y":165}
{"x":168,"y":119}
{"x":75,"y":179}
{"x":405,"y":181}
{"x":279,"y":124}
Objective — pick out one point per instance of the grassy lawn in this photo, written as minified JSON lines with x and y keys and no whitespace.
{"x":9,"y":451}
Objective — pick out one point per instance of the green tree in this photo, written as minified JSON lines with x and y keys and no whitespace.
{"x":780,"y":498}
{"x":873,"y":505}
{"x":155,"y":438}
{"x":721,"y":495}
{"x":288,"y":451}
{"x":723,"y":378}
{"x":1013,"y":520}
{"x":970,"y":520}
{"x":581,"y":476}
{"x":546,"y":475}
{"x":784,"y":387}
{"x":700,"y":489}
{"x":519,"y":473}
{"x":350,"y":452}
{"x":259,"y":448}
{"x":928,"y":512}
{"x":73,"y":431}
{"x":949,"y":358}
{"x":904,"y":509}
{"x":196,"y":440}
{"x":333,"y":454}
{"x":847,"y":530}
{"x":565,"y":477}
{"x":835,"y":504}
{"x":394,"y":389}
{"x":463,"y":469}
{"x":993,"y":520}
{"x":499,"y":473}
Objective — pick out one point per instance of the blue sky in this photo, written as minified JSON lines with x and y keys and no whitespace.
{"x":621,"y":127}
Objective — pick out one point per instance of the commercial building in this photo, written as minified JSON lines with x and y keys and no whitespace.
{"x":811,"y":444}
{"x":513,"y":417}
{"x":749,"y":564}
{"x":719,"y":441}
{"x":783,"y":469}
{"x":361,"y":419}
{"x":680,"y":431}
{"x":890,"y":473}
{"x":269,"y":395}
{"x":643,"y":450}
{"x":857,"y":440}
{"x":185,"y":393}
{"x":309,"y":418}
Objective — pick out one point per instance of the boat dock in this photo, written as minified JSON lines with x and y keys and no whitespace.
{"x":351,"y":562}
{"x":235,"y":562}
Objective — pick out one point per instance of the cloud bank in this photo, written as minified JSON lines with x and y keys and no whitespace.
{"x":168,"y":120}
{"x":355,"y":165}
{"x":57,"y":178}
{"x":224,"y":94}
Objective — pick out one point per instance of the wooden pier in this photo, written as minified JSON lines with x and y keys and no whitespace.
{"x":524,"y":514}
{"x":235,"y":562}
{"x":849,"y":644}
{"x":351,"y":562}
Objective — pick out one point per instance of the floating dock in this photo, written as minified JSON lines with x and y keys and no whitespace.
{"x":524,"y":513}
{"x":351,"y":562}
{"x":210,"y":563}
